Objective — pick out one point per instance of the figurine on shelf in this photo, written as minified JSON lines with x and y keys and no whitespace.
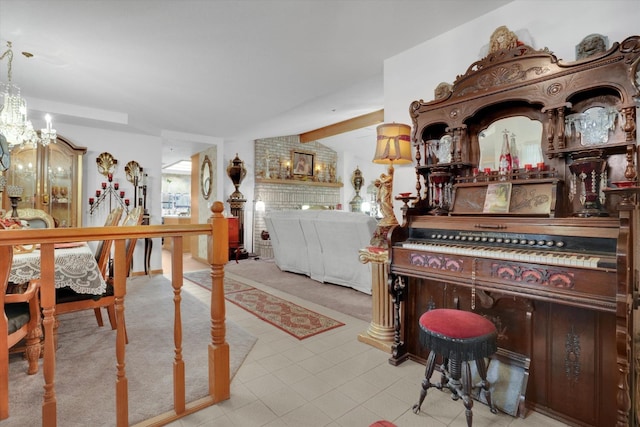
{"x":267,"y":172}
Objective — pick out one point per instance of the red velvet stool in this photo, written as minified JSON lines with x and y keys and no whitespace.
{"x":459,"y":337}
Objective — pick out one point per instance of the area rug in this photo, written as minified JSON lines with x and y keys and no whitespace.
{"x":86,"y":364}
{"x":293,"y":319}
{"x":335,"y":297}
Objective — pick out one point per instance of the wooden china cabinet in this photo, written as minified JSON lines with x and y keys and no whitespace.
{"x":51,"y":178}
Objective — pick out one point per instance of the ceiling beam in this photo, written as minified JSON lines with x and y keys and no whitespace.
{"x":341,"y":127}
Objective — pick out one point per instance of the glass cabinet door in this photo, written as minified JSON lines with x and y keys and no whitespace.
{"x":23,"y":173}
{"x":59,"y":185}
{"x":51,"y":180}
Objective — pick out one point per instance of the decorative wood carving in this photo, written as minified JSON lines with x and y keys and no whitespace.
{"x":580,"y":334}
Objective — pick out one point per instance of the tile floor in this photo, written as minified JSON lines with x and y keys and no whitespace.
{"x":330,"y":379}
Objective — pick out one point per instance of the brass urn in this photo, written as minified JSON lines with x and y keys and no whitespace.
{"x":236,"y":172}
{"x":357,"y":180}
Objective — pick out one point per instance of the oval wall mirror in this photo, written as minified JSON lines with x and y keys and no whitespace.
{"x":524,"y":134}
{"x":206,"y":177}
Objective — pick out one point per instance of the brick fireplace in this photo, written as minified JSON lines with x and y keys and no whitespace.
{"x":281,"y":190}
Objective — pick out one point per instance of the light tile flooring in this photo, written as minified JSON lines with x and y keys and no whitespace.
{"x":330,"y":379}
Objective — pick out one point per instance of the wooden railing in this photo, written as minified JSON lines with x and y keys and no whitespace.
{"x":218,"y":348}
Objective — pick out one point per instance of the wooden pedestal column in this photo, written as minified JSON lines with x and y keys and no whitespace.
{"x":381,"y":330}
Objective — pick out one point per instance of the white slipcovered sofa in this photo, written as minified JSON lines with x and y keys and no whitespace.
{"x":323,"y":245}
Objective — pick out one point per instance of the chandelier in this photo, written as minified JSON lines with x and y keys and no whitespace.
{"x":14,"y":124}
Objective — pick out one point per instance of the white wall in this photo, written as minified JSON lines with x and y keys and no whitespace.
{"x":362,"y":159}
{"x":124,"y":147}
{"x":559,"y":25}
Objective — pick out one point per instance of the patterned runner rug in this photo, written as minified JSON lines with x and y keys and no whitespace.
{"x":287,"y":316}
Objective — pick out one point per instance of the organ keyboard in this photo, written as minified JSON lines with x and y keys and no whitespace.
{"x":547,"y":258}
{"x":535,"y":256}
{"x":573,"y":251}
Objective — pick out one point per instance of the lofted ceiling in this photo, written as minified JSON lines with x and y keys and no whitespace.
{"x":189,"y":70}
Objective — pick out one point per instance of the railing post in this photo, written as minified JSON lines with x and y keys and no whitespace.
{"x":48,"y":302}
{"x":218,"y":256}
{"x":119,"y":291}
{"x":178,"y":361}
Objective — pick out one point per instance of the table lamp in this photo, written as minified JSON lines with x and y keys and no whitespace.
{"x":393,"y":147}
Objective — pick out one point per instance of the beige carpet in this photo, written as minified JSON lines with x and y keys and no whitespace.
{"x":86,"y":373}
{"x":339,"y":298}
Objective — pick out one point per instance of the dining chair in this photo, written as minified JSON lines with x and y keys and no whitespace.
{"x":69,"y":301}
{"x":19,"y":319}
{"x":132,"y":219}
{"x":36,"y":218}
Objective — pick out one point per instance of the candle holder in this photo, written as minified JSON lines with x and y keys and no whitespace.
{"x":440,"y":191}
{"x":106,"y":165}
{"x":15,"y":195}
{"x":587,"y":183}
{"x":108,"y":194}
{"x":405,"y":198}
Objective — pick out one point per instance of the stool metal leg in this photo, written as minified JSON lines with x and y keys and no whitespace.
{"x":426,"y":382}
{"x":466,"y":392}
{"x":453,"y":375}
{"x":484,"y":384}
{"x":459,"y":382}
{"x":444,"y":370}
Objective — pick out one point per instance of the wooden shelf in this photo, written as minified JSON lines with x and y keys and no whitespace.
{"x":298,"y":182}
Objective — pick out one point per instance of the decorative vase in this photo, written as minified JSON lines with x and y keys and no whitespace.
{"x":236,"y":172}
{"x":356,"y":180}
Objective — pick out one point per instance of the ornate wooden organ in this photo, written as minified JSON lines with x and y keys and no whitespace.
{"x":544,"y":245}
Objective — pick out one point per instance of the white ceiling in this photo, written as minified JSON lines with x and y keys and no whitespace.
{"x":237,"y":70}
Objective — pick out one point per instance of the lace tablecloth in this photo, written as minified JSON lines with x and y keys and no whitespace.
{"x":74,"y":267}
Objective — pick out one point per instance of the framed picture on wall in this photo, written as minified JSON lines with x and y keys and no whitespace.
{"x":302,"y":163}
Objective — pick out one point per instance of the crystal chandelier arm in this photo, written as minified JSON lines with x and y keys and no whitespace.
{"x":9,"y":53}
{"x":14,"y":123}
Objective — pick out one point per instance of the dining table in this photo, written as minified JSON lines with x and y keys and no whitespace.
{"x":75,"y":267}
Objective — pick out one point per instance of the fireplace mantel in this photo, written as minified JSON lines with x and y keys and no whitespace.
{"x":299,"y":182}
